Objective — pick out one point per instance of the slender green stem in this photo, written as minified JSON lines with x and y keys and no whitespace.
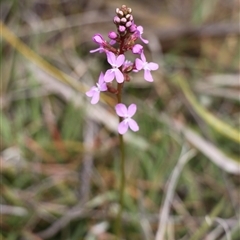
{"x":122,"y":171}
{"x":121,"y":189}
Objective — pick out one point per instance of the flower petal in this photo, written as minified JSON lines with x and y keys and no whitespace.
{"x":132,"y":110}
{"x":122,"y":127}
{"x":148,"y":76}
{"x":91,"y":92}
{"x":143,"y":57}
{"x":109,"y":75}
{"x":95,"y":98}
{"x":140,"y":29}
{"x":103,"y":87}
{"x":139,"y":64}
{"x":140,"y":32}
{"x":96,"y":50}
{"x":101,"y":78}
{"x":144,"y":40}
{"x":133,"y":125}
{"x":120,"y":60}
{"x":119,"y":76}
{"x":121,"y":110}
{"x":112,"y":42}
{"x":152,"y":66}
{"x":111,"y":58}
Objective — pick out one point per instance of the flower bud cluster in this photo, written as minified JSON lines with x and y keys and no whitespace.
{"x":125,"y":37}
{"x":123,"y":20}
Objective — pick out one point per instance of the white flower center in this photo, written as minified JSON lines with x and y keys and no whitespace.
{"x":126,"y":119}
{"x":98,"y":87}
{"x":145,"y":66}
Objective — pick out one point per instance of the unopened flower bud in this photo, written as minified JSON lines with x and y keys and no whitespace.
{"x":120,"y":13}
{"x":128,"y":24}
{"x":123,"y":20}
{"x":129,"y":10}
{"x":116,"y":19}
{"x":127,"y":78}
{"x":121,"y":29}
{"x":117,"y":10}
{"x":111,"y":89}
{"x":97,"y":38}
{"x":128,"y":16}
{"x":133,"y":28}
{"x":112,"y":35}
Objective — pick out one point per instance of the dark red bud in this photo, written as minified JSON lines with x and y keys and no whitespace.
{"x":112,"y":89}
{"x":126,"y":78}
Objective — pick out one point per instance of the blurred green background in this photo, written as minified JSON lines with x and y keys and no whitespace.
{"x":60,"y":155}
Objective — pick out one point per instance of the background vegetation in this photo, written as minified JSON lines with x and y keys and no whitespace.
{"x":60,"y":155}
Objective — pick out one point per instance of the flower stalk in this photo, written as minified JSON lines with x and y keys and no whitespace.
{"x":122,"y":172}
{"x":121,"y":189}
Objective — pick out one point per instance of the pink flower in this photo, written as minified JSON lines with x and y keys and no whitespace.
{"x":115,"y":62}
{"x":126,"y":113}
{"x":147,"y":67}
{"x":94,"y":92}
{"x":137,"y":49}
{"x":97,"y":38}
{"x":139,"y":33}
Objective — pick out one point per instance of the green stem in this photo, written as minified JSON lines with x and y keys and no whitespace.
{"x":121,"y":189}
{"x":122,"y":171}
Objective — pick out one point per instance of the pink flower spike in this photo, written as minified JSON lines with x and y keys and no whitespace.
{"x":115,"y":62}
{"x":126,"y":113}
{"x":94,"y":92}
{"x":139,"y":33}
{"x":147,"y":67}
